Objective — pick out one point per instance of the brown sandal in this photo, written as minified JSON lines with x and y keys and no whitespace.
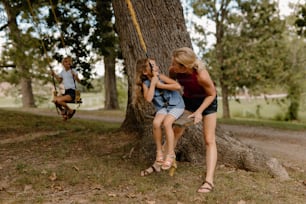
{"x":208,"y":189}
{"x":154,"y":168}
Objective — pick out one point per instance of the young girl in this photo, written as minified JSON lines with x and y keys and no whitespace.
{"x":169,"y":104}
{"x":68,"y":76}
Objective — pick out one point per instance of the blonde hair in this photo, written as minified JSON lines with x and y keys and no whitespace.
{"x":186,"y":57}
{"x":69,"y":58}
{"x":141,"y":67}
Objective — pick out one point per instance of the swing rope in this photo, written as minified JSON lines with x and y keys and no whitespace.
{"x":35,"y":22}
{"x":137,"y":27}
{"x":58,"y":25}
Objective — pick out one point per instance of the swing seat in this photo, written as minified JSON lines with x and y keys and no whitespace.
{"x":79,"y":101}
{"x":182,"y":121}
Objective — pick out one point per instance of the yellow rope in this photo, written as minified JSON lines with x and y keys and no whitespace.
{"x":134,"y":19}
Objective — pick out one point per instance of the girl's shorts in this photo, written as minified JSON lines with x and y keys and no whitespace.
{"x":71,"y":93}
{"x":175,"y":112}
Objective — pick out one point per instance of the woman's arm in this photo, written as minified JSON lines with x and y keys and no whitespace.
{"x":205,"y":81}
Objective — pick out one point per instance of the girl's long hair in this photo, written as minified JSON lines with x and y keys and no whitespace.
{"x":141,"y":66}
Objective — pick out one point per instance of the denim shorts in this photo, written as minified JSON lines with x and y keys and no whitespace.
{"x":175,"y":112}
{"x":192,"y":104}
{"x":71,"y":93}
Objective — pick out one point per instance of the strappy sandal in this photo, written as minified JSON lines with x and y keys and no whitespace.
{"x":170,"y":160}
{"x":154,"y":168}
{"x":159,"y":158}
{"x":205,"y":189}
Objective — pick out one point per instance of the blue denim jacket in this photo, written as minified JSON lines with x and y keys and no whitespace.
{"x":169,"y":98}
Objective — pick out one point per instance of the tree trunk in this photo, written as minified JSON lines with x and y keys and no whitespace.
{"x":163,"y":28}
{"x":23,"y":71}
{"x":111,"y":100}
{"x":27,"y":93}
{"x":225,"y":104}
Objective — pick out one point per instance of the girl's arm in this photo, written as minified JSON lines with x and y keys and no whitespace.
{"x":58,"y":78}
{"x":148,"y":92}
{"x":168,"y":84}
{"x":75,"y":76}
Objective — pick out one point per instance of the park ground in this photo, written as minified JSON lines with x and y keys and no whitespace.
{"x":87,"y":160}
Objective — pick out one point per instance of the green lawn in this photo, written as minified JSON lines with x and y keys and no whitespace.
{"x":255,"y":109}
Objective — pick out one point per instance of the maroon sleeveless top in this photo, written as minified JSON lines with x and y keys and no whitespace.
{"x":191,"y":87}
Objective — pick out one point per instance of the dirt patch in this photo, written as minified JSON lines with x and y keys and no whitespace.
{"x":27,"y":137}
{"x":287,"y":146}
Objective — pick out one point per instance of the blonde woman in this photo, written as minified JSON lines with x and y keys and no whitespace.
{"x":200,"y":98}
{"x":164,"y":93}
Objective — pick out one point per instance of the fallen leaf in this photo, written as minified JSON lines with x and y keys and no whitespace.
{"x":53,"y":177}
{"x":44,"y":172}
{"x":58,"y":188}
{"x":27,"y":187}
{"x":75,"y":168}
{"x":112,"y":195}
{"x":131,"y":195}
{"x":241,"y":202}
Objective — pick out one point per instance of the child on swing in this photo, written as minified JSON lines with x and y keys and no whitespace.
{"x":164,"y":93}
{"x":68,"y":76}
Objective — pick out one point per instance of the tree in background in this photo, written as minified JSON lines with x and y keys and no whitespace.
{"x":296,"y":57}
{"x":77,"y":28}
{"x":301,"y":21}
{"x":249,"y":44}
{"x":105,"y":41}
{"x":21,"y":50}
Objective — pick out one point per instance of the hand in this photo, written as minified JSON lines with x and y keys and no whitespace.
{"x":197,"y":117}
{"x":154,"y":79}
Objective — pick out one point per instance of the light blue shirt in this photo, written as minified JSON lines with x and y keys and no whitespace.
{"x":68,"y":81}
{"x":173,"y":98}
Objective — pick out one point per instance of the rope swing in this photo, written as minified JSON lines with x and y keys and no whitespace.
{"x":136,"y":25}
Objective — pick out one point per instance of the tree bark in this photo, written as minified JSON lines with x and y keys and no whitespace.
{"x":163,"y":28}
{"x":23,"y":71}
{"x":27,"y":93}
{"x":111,"y":100}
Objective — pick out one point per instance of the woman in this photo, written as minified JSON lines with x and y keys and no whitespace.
{"x":200,"y":97}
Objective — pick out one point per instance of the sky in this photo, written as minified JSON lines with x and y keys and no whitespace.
{"x":283,"y":6}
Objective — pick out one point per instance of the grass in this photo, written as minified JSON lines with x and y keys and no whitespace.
{"x":88,"y":162}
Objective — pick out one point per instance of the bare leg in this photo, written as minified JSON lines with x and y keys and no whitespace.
{"x":157,"y":134}
{"x":209,"y":128}
{"x":178,"y":132}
